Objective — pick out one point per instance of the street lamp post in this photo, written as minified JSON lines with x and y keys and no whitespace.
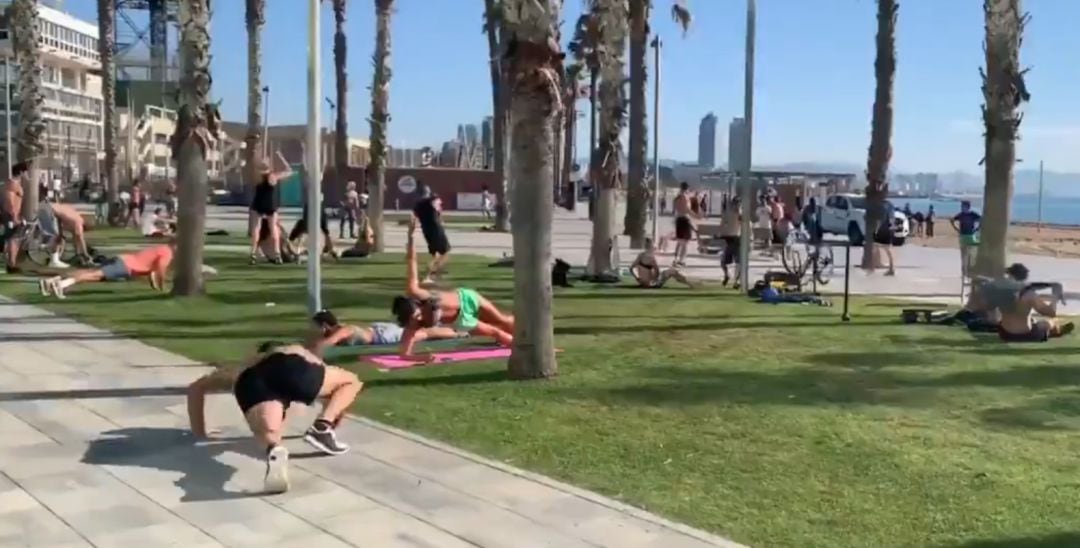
{"x":747,"y":160}
{"x":266,"y":123}
{"x":656,"y":44}
{"x":314,"y":192}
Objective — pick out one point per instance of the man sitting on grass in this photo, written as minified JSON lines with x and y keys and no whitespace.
{"x":646,"y":270}
{"x":152,"y":262}
{"x":1015,"y":299}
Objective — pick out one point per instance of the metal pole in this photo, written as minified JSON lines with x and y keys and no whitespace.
{"x":656,"y":44}
{"x":1038,"y":226}
{"x":7,"y":110}
{"x":846,"y":317}
{"x":748,"y":125}
{"x":314,"y":192}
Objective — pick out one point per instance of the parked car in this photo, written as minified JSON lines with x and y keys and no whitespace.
{"x":846,"y":214}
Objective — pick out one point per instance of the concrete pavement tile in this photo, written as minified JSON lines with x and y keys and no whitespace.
{"x":30,"y":461}
{"x":15,"y":432}
{"x":174,"y":533}
{"x":245,"y":522}
{"x":63,"y":421}
{"x":313,"y":498}
{"x":386,"y":528}
{"x":15,"y":499}
{"x":36,"y":527}
{"x":318,"y":540}
{"x":102,"y":522}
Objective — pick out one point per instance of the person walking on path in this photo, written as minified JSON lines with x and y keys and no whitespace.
{"x":929,"y":220}
{"x":967,"y":224}
{"x":278,"y":376}
{"x":428,"y":212}
{"x":349,"y":211}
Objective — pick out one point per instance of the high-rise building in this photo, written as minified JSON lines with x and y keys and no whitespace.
{"x":737,"y":145}
{"x":706,"y":152}
{"x":71,"y":84}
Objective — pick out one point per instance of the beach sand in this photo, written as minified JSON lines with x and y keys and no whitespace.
{"x":1026,"y":238}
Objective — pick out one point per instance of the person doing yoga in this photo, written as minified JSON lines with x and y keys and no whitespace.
{"x":333,"y":333}
{"x":1015,"y":299}
{"x":463,"y":309}
{"x":646,"y":270}
{"x":276,"y":377}
{"x":152,"y":262}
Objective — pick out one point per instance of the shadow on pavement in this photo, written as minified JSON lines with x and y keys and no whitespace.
{"x":91,"y":393}
{"x":203,"y":478}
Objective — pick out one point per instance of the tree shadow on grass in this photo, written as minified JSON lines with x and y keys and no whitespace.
{"x":871,"y":359}
{"x":1052,"y":413}
{"x":479,"y":377}
{"x":1054,"y":540}
{"x":781,"y":323}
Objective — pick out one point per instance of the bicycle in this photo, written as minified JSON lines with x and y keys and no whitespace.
{"x":806,"y":260}
{"x":34,"y":244}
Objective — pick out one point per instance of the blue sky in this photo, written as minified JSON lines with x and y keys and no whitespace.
{"x":814,"y":75}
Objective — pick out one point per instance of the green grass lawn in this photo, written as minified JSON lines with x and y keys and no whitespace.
{"x":773,"y":425}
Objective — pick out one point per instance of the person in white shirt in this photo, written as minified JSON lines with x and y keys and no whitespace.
{"x":486,"y":203}
{"x":763,"y":226}
{"x":153,"y":225}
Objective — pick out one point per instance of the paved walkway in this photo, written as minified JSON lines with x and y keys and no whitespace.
{"x":94,"y":451}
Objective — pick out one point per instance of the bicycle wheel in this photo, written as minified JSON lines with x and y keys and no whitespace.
{"x":791,"y":256}
{"x":34,"y":246}
{"x":824,"y":265}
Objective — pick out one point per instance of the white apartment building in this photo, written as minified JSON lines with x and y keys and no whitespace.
{"x":148,"y":132}
{"x":72,"y":88}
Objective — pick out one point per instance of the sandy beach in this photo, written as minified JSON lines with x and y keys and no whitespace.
{"x":1026,"y":238}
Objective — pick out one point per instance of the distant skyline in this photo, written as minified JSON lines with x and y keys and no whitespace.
{"x":814,"y":88}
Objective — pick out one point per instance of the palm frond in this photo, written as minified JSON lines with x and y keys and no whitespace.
{"x":681,"y":15}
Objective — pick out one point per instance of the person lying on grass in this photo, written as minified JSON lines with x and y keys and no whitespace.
{"x":151,"y":262}
{"x":333,"y":333}
{"x":1017,"y":301}
{"x":277,"y":376}
{"x":463,"y":309}
{"x":646,"y":270}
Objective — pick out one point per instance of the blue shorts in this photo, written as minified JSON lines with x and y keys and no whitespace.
{"x":115,"y":271}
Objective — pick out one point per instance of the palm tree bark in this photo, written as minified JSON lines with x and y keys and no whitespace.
{"x":569,"y":131}
{"x":1004,"y":91}
{"x":341,"y":124}
{"x":535,"y":71}
{"x":880,"y":153}
{"x":380,"y":118}
{"x":606,"y":162}
{"x":106,"y":46}
{"x":255,"y":16}
{"x":197,"y":128}
{"x":24,"y":14}
{"x":493,"y":10}
{"x":636,"y":191}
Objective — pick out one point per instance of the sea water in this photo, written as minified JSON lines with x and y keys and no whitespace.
{"x":1025,"y":208}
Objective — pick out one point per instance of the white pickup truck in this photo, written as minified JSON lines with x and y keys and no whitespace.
{"x":846,"y":214}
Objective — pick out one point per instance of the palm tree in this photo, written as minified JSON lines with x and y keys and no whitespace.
{"x":571,"y":92}
{"x":197,"y":127}
{"x":341,"y":124}
{"x":637,"y":194}
{"x":255,"y":17}
{"x":24,"y":14}
{"x":585,"y":49}
{"x":1004,"y":91}
{"x":605,"y":165}
{"x":535,"y":71}
{"x":106,"y":46}
{"x":880,"y":153}
{"x":496,"y":37}
{"x":380,"y":117}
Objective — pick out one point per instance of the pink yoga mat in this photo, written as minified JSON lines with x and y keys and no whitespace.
{"x":391,"y":361}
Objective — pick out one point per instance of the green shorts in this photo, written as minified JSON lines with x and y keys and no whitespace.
{"x":469,"y":309}
{"x":969,"y":239}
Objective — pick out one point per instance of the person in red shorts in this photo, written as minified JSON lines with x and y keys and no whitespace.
{"x":152,"y":262}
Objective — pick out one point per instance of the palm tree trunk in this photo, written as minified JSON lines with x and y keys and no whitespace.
{"x":106,"y":45}
{"x":569,"y":131}
{"x":880,"y":153}
{"x":380,"y":118}
{"x":535,"y":102}
{"x":341,"y":124}
{"x":1004,"y":90}
{"x":495,"y":34}
{"x":594,"y":105}
{"x":636,"y":192}
{"x":255,"y":15}
{"x":196,"y":129}
{"x":606,"y":163}
{"x":24,"y":14}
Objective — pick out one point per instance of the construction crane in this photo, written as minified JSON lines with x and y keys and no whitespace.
{"x":133,"y":38}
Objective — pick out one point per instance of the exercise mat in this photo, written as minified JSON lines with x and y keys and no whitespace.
{"x":387,"y":362}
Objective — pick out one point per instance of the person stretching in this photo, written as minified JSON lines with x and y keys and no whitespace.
{"x":278,"y":376}
{"x":333,"y":333}
{"x":1016,"y":300}
{"x":264,"y":204}
{"x":428,"y":211}
{"x":646,"y":270}
{"x":152,"y":262}
{"x":464,"y":309}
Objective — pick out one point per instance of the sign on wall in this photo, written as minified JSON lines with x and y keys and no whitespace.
{"x":407,"y":184}
{"x":470,"y":201}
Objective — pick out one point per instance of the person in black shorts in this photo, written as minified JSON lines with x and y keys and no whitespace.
{"x":264,"y":205}
{"x":276,"y":377}
{"x":428,"y":212}
{"x":300,"y":230}
{"x":884,"y":237}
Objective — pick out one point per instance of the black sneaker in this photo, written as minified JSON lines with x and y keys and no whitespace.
{"x":277,"y":470}
{"x":323,"y":438}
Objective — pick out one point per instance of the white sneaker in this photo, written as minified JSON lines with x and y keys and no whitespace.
{"x":56,"y":289}
{"x":277,"y":471}
{"x":57,"y":263}
{"x":44,"y":287}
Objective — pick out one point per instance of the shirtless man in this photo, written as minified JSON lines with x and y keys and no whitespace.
{"x":730,"y":233}
{"x":684,"y":226}
{"x":151,"y":262}
{"x":54,"y":219}
{"x":11,"y":214}
{"x":646,"y":270}
{"x":1017,"y":323}
{"x":277,"y":376}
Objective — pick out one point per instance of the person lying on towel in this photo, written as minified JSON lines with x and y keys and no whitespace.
{"x":331,"y":332}
{"x":1016,"y":301}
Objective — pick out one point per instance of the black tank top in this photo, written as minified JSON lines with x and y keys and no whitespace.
{"x":265,"y":199}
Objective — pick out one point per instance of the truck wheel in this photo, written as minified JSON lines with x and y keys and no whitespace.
{"x":897,"y":241}
{"x":854,"y":235}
